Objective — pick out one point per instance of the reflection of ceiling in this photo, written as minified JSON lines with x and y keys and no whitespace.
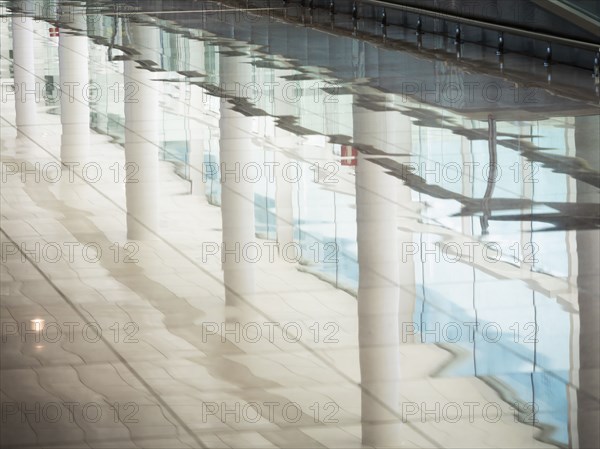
{"x":381,"y":66}
{"x":470,"y":86}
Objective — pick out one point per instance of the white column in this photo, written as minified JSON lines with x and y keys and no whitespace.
{"x":73,"y":57}
{"x":381,"y":302}
{"x":587,"y":130}
{"x":24,"y":72}
{"x":141,"y":139}
{"x":574,"y":321}
{"x":236,"y":150}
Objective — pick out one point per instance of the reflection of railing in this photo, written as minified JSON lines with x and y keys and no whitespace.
{"x":578,"y":43}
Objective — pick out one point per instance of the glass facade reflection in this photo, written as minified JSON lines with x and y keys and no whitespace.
{"x":469,"y":226}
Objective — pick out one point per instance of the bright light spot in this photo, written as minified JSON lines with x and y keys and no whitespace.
{"x":38,"y":324}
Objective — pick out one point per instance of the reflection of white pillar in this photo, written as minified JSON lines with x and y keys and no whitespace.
{"x":237,"y":194}
{"x":141,"y":140}
{"x":378,"y":298}
{"x":588,"y":284}
{"x":237,"y":200}
{"x":587,"y":130}
{"x":73,"y":59}
{"x":379,"y":293}
{"x":24,"y":71}
{"x":573,"y":269}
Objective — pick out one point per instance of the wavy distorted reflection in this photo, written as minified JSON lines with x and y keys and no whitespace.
{"x":23,"y":69}
{"x":388,"y":215}
{"x":385,"y":285}
{"x":236,"y":151}
{"x":379,"y":293}
{"x":73,"y":57}
{"x":142,"y":110}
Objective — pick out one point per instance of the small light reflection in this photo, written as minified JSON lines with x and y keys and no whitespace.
{"x":38,"y":324}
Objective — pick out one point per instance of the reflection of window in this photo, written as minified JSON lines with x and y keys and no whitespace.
{"x":213,"y":179}
{"x":264,"y":196}
{"x":528,"y":361}
{"x":109,"y":124}
{"x":325,"y":229}
{"x":265,"y":216}
{"x":177,"y":152}
{"x":51,"y":94}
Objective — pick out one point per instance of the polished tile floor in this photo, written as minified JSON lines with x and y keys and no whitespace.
{"x":250,"y":228}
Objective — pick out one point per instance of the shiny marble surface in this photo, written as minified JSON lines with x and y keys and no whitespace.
{"x":244,"y":227}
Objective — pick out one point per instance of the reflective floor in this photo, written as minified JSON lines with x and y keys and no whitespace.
{"x":255,"y":228}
